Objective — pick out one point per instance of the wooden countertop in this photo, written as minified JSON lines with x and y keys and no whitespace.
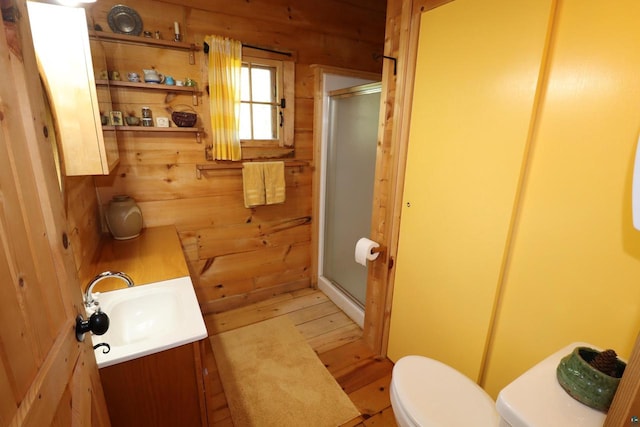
{"x":153,"y":256}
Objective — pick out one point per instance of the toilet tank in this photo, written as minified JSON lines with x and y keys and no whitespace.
{"x":536,"y":399}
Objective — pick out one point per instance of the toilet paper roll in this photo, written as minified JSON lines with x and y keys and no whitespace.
{"x":364,"y":252}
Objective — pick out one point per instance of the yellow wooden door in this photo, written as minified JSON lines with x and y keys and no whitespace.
{"x":46,"y":376}
{"x":574,"y":270}
{"x":476,"y":82}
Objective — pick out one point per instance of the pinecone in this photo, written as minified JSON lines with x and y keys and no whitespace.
{"x":606,"y":362}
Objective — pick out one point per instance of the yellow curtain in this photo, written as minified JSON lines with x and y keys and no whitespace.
{"x":225,"y":64}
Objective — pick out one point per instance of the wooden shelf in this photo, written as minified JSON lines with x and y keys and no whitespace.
{"x":196,"y":131}
{"x":191,"y":90}
{"x":238,"y":165}
{"x":168,"y":89}
{"x":143,"y":41}
{"x":149,"y":86}
{"x":156,"y":129}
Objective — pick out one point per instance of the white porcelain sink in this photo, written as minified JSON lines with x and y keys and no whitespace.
{"x":148,"y":319}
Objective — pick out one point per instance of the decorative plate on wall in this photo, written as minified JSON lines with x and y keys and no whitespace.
{"x":124,"y":20}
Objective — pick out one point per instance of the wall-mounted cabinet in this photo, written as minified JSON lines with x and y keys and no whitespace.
{"x":62,"y":47}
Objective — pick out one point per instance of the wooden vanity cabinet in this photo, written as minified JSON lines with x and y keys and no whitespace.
{"x":165,"y":388}
{"x":66,"y":68}
{"x":162,"y":389}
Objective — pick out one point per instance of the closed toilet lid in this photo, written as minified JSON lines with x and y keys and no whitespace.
{"x":433,"y":394}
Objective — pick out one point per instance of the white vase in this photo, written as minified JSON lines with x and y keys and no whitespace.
{"x":124,"y":218}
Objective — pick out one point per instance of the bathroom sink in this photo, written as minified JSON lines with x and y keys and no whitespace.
{"x":147,"y":319}
{"x":143,"y":317}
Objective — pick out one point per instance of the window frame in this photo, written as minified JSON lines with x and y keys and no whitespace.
{"x":285,"y":81}
{"x":277,"y":84}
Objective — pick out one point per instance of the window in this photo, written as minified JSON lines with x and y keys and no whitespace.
{"x":260,"y":88}
{"x":266,"y":115}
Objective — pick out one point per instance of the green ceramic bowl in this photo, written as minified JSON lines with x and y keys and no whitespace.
{"x":585,"y":383}
{"x":132,"y":120}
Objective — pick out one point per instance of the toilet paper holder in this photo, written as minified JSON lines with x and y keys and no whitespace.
{"x":380,"y":249}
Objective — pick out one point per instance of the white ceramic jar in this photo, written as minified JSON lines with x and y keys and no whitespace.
{"x":124,"y":218}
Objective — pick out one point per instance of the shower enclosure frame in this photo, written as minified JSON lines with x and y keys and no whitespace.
{"x":330,"y":79}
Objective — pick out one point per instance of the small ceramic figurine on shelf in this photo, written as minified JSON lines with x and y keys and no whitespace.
{"x":132,"y":120}
{"x":153,"y":76}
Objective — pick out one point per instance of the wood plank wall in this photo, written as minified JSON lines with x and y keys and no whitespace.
{"x":235,"y":255}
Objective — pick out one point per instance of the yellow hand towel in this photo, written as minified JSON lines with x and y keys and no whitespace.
{"x":253,"y":184}
{"x":274,"y":183}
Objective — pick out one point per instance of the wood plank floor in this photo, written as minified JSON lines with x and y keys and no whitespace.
{"x":335,"y":338}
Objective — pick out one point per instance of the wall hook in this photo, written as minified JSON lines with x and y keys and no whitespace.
{"x":377,"y":56}
{"x":105,"y":350}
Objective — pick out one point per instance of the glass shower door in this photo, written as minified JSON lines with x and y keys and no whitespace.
{"x":350,"y":171}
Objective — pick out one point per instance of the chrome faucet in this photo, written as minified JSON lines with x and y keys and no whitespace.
{"x":88,"y":296}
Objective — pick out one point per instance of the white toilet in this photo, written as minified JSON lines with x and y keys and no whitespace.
{"x":428,"y":393}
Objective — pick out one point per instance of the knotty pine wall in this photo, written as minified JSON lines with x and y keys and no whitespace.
{"x":235,"y":255}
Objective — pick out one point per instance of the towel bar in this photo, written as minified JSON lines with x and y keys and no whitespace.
{"x":238,"y":165}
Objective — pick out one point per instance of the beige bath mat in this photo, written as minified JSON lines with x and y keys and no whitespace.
{"x":272,"y":377}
